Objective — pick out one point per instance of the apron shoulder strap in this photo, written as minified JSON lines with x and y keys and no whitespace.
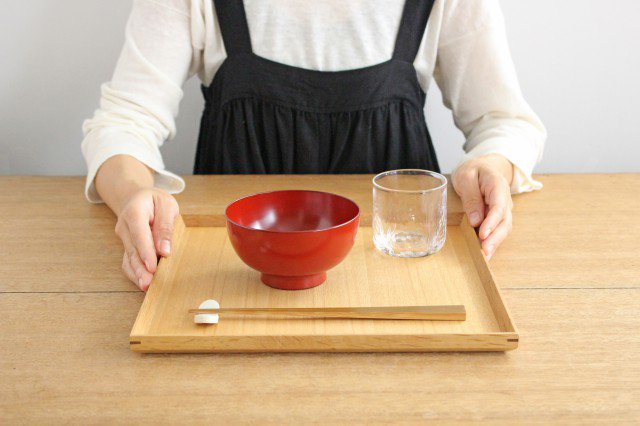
{"x":233,"y":26}
{"x":412,"y":27}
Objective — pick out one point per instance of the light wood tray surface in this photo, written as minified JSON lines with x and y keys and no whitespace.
{"x":205,"y":266}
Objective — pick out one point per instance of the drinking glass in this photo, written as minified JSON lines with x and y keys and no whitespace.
{"x":409,"y":212}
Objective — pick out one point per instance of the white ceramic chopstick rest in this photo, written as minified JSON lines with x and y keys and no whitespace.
{"x":207,"y":318}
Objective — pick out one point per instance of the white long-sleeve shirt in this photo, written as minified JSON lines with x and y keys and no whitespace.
{"x":464,"y":49}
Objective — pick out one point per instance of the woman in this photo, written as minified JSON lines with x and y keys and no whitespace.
{"x":293,"y":86}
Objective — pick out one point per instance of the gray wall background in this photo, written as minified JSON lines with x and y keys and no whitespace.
{"x":578,"y":63}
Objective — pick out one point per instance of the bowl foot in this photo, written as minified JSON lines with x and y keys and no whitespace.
{"x":293,"y":283}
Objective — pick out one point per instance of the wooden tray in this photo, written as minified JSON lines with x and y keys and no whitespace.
{"x":204,"y":266}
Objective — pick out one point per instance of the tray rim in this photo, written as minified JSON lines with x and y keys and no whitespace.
{"x":508,"y":339}
{"x":434,"y":342}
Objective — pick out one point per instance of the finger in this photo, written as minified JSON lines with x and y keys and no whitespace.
{"x":467,"y":186}
{"x":141,"y":276}
{"x":499,"y":201}
{"x":128,"y":270}
{"x":166,"y":211}
{"x":144,"y":276}
{"x":490,"y":245}
{"x":142,"y":240}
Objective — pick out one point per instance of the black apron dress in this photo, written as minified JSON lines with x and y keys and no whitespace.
{"x":264,"y":117}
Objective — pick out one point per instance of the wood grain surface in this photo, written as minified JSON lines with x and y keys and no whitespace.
{"x":570,"y":274}
{"x":577,"y":362}
{"x":205,"y":266}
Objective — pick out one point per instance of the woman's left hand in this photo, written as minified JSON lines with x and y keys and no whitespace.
{"x":484,"y":185}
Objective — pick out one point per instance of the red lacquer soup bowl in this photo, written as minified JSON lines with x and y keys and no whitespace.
{"x":293,"y":237}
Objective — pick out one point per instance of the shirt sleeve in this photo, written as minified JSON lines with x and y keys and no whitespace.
{"x":477,"y":77}
{"x":139,"y":105}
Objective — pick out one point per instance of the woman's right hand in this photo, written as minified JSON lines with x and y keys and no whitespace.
{"x":145,"y":226}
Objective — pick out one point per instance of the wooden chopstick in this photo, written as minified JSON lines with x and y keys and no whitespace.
{"x":437,"y":313}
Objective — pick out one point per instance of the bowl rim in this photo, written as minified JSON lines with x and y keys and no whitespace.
{"x":354,"y":218}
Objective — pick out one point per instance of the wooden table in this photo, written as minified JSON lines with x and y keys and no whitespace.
{"x":570,"y":273}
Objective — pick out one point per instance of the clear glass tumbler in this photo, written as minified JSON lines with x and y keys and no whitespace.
{"x":409,"y":212}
